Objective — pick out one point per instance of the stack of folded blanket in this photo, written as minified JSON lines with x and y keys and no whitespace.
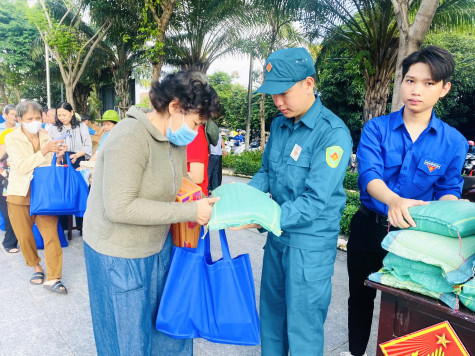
{"x":437,"y":258}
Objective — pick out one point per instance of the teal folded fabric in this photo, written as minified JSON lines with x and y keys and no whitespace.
{"x":448,"y":218}
{"x":455,"y":257}
{"x":240,"y":204}
{"x":388,"y":279}
{"x":428,"y":276}
{"x":466,"y":294}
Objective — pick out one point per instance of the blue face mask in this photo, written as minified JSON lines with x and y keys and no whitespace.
{"x":183,"y":136}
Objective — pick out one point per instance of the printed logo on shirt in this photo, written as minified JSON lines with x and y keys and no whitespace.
{"x":431,"y":166}
{"x":334,"y":154}
{"x":269,"y":67}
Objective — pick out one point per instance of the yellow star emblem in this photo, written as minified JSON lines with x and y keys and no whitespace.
{"x":442,"y":340}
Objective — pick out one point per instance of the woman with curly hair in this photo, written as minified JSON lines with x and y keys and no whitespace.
{"x":127,"y":242}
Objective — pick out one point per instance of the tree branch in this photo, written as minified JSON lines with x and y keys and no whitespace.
{"x":89,"y":53}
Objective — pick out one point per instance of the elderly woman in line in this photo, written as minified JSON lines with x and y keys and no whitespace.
{"x":29,"y":148}
{"x":127,"y":242}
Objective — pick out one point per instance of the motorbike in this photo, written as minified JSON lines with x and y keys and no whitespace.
{"x":237,"y":150}
{"x":469,"y":165}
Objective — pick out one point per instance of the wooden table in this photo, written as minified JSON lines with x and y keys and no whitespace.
{"x":403,"y":312}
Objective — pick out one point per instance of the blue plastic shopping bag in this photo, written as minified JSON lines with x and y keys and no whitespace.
{"x":2,"y":222}
{"x":212,"y":300}
{"x":58,"y":190}
{"x":39,"y":239}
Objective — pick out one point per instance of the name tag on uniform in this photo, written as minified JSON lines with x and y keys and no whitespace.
{"x":295,"y":154}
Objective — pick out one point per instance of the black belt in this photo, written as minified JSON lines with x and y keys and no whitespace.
{"x":380,"y":219}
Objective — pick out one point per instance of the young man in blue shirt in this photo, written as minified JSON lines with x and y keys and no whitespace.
{"x":303,"y":167}
{"x":238,"y":138}
{"x":406,"y":158}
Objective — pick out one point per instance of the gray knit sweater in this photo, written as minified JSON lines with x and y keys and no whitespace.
{"x":137,"y":176}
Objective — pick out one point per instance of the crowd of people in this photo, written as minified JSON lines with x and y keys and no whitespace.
{"x":138,"y":173}
{"x":29,"y":136}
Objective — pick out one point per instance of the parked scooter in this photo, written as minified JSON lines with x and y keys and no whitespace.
{"x":469,"y":165}
{"x":237,"y":150}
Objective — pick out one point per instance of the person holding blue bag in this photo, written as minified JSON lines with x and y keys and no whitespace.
{"x":78,"y":139}
{"x":29,"y":148}
{"x":127,"y":240}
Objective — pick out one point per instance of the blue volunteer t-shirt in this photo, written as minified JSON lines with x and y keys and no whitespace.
{"x":102,"y":140}
{"x":425,"y":170}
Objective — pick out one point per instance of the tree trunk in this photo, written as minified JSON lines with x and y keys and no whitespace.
{"x":18,"y":94}
{"x":376,"y":93}
{"x":3,"y":93}
{"x":81,"y":93}
{"x":411,"y":37}
{"x":249,"y":103}
{"x":162,"y":21}
{"x":263,"y":121}
{"x":156,"y":69}
{"x":70,"y":94}
{"x":122,"y":93}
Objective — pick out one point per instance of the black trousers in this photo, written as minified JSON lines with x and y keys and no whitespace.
{"x":10,"y":240}
{"x":365,"y":256}
{"x":214,"y":171}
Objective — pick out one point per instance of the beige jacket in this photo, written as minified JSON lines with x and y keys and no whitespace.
{"x":137,"y":176}
{"x":23,"y":160}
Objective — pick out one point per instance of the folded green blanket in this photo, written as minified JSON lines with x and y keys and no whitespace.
{"x":448,"y":218}
{"x":455,"y":257}
{"x":388,"y":279}
{"x":466,"y":294}
{"x":241,"y":204}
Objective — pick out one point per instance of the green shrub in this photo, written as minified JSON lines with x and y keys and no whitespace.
{"x":351,"y":180}
{"x":352,"y":198}
{"x":346,"y":217}
{"x":248,"y":163}
{"x":247,"y":167}
{"x":229,"y":161}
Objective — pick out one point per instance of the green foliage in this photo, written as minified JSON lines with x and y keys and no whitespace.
{"x":65,"y":39}
{"x":352,"y":197}
{"x":351,"y":180}
{"x":192,"y":43}
{"x":16,"y":40}
{"x":346,"y":217}
{"x":94,"y":104}
{"x":247,"y":163}
{"x":458,"y":106}
{"x":341,"y":85}
{"x":148,"y":34}
{"x":229,"y":161}
{"x":145,"y":102}
{"x":233,"y":99}
{"x":247,"y":167}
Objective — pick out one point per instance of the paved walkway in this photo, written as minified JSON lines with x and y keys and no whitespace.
{"x":34,"y":321}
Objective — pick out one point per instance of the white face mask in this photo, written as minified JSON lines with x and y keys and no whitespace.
{"x":32,"y":127}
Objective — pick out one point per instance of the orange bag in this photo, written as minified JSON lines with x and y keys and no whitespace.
{"x":186,"y":234}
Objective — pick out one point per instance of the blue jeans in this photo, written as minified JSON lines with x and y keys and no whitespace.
{"x":124,"y":295}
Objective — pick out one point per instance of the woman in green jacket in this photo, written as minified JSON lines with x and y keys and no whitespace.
{"x":127,"y":243}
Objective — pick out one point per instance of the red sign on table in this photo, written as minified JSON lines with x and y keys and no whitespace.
{"x":437,"y":340}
